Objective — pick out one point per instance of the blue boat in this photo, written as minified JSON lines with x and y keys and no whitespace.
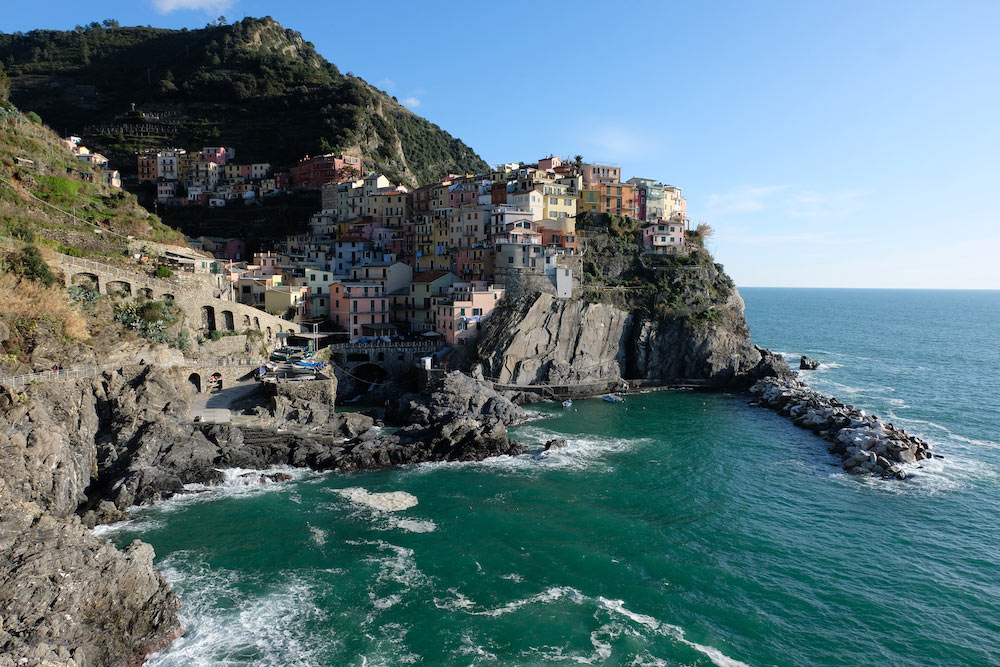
{"x":568,"y":403}
{"x":613,"y":398}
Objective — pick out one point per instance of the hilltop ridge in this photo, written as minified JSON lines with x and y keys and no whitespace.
{"x":253,"y":84}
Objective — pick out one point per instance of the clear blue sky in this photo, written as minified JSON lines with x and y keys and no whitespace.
{"x":847,"y":144}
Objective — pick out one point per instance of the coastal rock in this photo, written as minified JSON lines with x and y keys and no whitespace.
{"x":807,"y":364}
{"x":452,"y":396}
{"x":865,"y":444}
{"x":69,"y":597}
{"x":556,"y":443}
{"x":582,"y":348}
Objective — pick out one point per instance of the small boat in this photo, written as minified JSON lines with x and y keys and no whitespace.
{"x":568,"y":403}
{"x":613,"y":398}
{"x":312,"y":365}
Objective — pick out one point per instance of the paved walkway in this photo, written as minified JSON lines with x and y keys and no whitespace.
{"x":214,"y":407}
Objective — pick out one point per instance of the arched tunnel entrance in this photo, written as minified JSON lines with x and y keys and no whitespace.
{"x":195,"y":380}
{"x":368,"y":376}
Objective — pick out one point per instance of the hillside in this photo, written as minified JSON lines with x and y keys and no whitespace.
{"x":60,"y":201}
{"x":253,"y":85}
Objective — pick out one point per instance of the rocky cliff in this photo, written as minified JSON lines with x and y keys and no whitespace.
{"x":78,"y":453}
{"x":676,"y":325}
{"x":69,"y":597}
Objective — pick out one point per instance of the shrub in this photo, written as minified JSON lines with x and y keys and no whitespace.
{"x":27,"y":301}
{"x":29,"y":263}
{"x":163,"y":271}
{"x":34,"y":117}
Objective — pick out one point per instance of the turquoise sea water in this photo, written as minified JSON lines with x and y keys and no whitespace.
{"x":689,"y":529}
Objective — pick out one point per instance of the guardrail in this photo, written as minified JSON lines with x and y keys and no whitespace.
{"x":383,"y":344}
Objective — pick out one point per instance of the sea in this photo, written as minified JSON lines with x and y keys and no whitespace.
{"x":678,"y":528}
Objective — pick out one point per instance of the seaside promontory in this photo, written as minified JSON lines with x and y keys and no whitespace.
{"x":404,"y":319}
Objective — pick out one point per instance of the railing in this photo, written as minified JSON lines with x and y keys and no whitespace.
{"x":118,"y":272}
{"x":382,"y":344}
{"x":79,"y":372}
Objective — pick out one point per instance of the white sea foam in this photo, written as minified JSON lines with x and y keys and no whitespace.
{"x":581,"y":453}
{"x":235,"y":482}
{"x":513,"y":576}
{"x":317,"y":535}
{"x":602,"y":639}
{"x":391,"y":501}
{"x":412,"y":525}
{"x":268,"y":626}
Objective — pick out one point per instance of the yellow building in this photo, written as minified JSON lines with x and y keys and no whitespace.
{"x":558,"y":202}
{"x":277,"y":300}
{"x":589,"y":200}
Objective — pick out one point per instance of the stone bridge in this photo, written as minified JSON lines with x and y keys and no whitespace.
{"x":358,"y":366}
{"x":201,"y":308}
{"x":198,"y":372}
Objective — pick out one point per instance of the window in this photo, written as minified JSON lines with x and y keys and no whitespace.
{"x":477,"y":312}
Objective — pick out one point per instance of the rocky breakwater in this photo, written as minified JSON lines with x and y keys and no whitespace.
{"x":865,"y":444}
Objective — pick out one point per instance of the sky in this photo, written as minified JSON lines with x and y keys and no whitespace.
{"x":828,"y":144}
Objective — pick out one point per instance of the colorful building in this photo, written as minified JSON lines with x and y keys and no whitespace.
{"x":357,"y":305}
{"x":459,"y":315}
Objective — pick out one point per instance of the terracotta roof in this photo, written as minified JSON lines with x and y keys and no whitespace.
{"x":429,"y":276}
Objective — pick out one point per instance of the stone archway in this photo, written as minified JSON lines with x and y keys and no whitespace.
{"x":256,"y":323}
{"x":145,"y":293}
{"x":88,"y":281}
{"x":246,"y":321}
{"x":208,"y":318}
{"x":269,"y":333}
{"x":228,"y":323}
{"x":195,"y":379}
{"x":168,"y":297}
{"x":118,"y":288}
{"x":368,"y":375}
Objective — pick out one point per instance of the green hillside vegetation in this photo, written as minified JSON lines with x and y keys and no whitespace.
{"x":253,"y":85}
{"x":50,"y":201}
{"x":58,"y":201}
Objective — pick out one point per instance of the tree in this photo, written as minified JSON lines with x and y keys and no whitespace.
{"x":578,"y":161}
{"x":31,"y":265}
{"x":4,"y":84}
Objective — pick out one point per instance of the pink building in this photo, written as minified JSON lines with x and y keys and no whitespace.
{"x":458,"y":316}
{"x":220,"y":155}
{"x":664,"y":237}
{"x":549,"y":163}
{"x":361,"y":308}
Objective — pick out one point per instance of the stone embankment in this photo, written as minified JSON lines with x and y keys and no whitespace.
{"x":865,"y":444}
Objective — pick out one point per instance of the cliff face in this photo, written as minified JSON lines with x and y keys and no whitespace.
{"x":70,"y":597}
{"x":674,"y":331}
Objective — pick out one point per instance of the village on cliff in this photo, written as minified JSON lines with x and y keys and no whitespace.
{"x":382,"y":261}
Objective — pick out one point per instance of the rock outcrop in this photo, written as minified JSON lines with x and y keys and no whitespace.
{"x":590,"y":348}
{"x":81,"y":453}
{"x":69,"y":597}
{"x":454,"y":395}
{"x":807,"y":364}
{"x":865,"y":444}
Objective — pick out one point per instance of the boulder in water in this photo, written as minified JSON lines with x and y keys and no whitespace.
{"x":807,"y":364}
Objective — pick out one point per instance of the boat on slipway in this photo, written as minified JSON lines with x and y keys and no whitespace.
{"x":612,"y":398}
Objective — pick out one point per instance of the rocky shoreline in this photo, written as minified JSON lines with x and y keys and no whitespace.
{"x":80,"y":453}
{"x":865,"y":444}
